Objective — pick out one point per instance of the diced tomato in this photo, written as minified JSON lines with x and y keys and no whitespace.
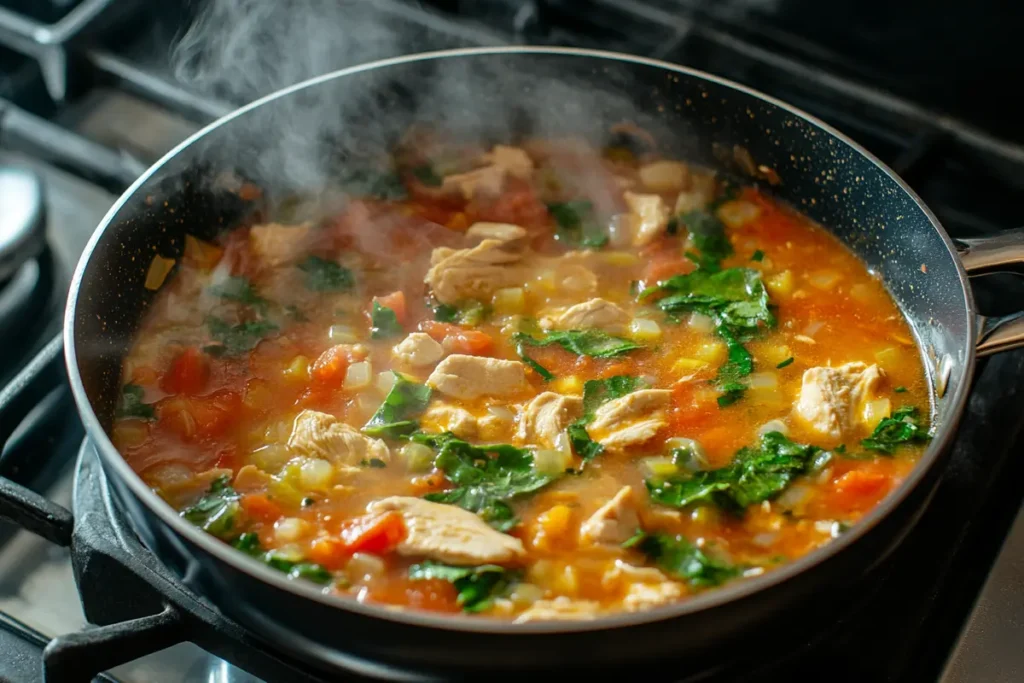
{"x":188,"y":373}
{"x":376,"y":534}
{"x":259,"y":507}
{"x":330,"y":367}
{"x":457,"y":339}
{"x":859,"y":490}
{"x":199,"y":416}
{"x":396,"y":302}
{"x":518,"y":204}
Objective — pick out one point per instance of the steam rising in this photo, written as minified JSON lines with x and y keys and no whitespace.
{"x":242,"y":49}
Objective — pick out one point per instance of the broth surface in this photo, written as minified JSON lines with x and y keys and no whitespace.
{"x":687,"y":383}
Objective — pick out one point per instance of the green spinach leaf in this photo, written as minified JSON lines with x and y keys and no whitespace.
{"x":240,"y":289}
{"x":485,"y":477}
{"x":681,"y":559}
{"x":217,"y":512}
{"x":326,"y":276}
{"x":236,"y":339}
{"x":384,"y":323}
{"x":394,"y":417}
{"x":755,"y":475}
{"x":903,"y":427}
{"x":469,"y":313}
{"x":131,"y":404}
{"x":476,"y":586}
{"x":576,"y":224}
{"x":249,"y":543}
{"x":593,"y":343}
{"x":707,"y":234}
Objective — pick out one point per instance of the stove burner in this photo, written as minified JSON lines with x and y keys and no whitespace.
{"x":22,"y":220}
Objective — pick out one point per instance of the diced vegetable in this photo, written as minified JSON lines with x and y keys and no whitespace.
{"x":384,"y":323}
{"x":358,"y":376}
{"x":773,"y":426}
{"x":644,"y":330}
{"x":316,"y":474}
{"x":780,"y":285}
{"x":875,"y":411}
{"x":188,"y":373}
{"x":405,"y":401}
{"x":131,"y":404}
{"x":659,"y":466}
{"x":902,"y":428}
{"x":700,"y":322}
{"x":200,"y":254}
{"x":593,"y":343}
{"x":509,"y":301}
{"x":551,"y":462}
{"x":326,"y":276}
{"x":664,"y":176}
{"x":290,"y":529}
{"x":298,"y":370}
{"x":396,"y":302}
{"x":417,"y":457}
{"x":824,"y":279}
{"x":687,"y":453}
{"x":159,"y":269}
{"x":216,"y":512}
{"x":331,"y":367}
{"x":342,"y":334}
{"x":738,"y":212}
{"x":681,"y":559}
{"x":477,"y":586}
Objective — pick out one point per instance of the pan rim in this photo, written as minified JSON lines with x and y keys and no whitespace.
{"x":459,"y":623}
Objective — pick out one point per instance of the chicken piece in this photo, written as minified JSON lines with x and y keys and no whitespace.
{"x":445,"y":418}
{"x":650,"y":216}
{"x":546,"y":417}
{"x":480,"y":181}
{"x":251,"y":478}
{"x":449,"y":534}
{"x":624,"y":572}
{"x":459,"y":274}
{"x":614,"y":522}
{"x":560,"y":609}
{"x":418,"y":350}
{"x":276,"y":244}
{"x":319,"y":435}
{"x":469,"y":377}
{"x":596,"y":314}
{"x":631,"y":420}
{"x":831,"y":400}
{"x":513,"y":160}
{"x":641,"y":596}
{"x":512,"y":235}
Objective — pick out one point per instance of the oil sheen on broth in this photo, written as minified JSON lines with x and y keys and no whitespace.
{"x":542,"y":381}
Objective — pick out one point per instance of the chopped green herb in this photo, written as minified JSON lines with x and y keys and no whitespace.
{"x":235,"y":339}
{"x":238,"y":288}
{"x":394,"y":417}
{"x":737,"y":301}
{"x":217,"y":512}
{"x":785,"y":363}
{"x":476,"y":586}
{"x":248,"y":543}
{"x":576,"y":224}
{"x":326,"y":276}
{"x":384,"y":323}
{"x":755,"y":475}
{"x":597,"y":392}
{"x":758,"y":256}
{"x":707,"y":234}
{"x":427,"y":175}
{"x":469,"y":312}
{"x":900,"y":390}
{"x":903,"y":427}
{"x":681,"y":559}
{"x":374,"y":463}
{"x":485,"y":477}
{"x":131,"y":404}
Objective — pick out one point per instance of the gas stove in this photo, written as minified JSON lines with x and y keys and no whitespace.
{"x":89,"y":96}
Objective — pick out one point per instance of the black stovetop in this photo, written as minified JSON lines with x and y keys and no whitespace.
{"x":910,"y":612}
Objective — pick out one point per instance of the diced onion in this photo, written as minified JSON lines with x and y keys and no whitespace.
{"x":290,"y":529}
{"x":364,"y":566}
{"x":773,"y":426}
{"x":621,"y":229}
{"x":737,"y":212}
{"x":368,"y":403}
{"x":525,"y":594}
{"x":501,"y":412}
{"x":766,"y":539}
{"x":643,"y":329}
{"x":763,"y":380}
{"x":875,"y":410}
{"x":342,"y":334}
{"x":385,"y":380}
{"x":550,"y":461}
{"x":701,"y":323}
{"x":712,"y":352}
{"x":271,"y":457}
{"x":298,"y":369}
{"x":780,"y":285}
{"x":509,"y":301}
{"x":794,"y":497}
{"x":316,"y":474}
{"x":358,"y":376}
{"x":417,"y":457}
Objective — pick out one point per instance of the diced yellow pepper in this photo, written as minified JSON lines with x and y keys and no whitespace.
{"x":685,"y":366}
{"x":298,"y":369}
{"x":570,"y":384}
{"x":509,"y":301}
{"x":712,"y":352}
{"x":780,"y":284}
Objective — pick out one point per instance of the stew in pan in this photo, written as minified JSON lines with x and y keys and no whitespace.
{"x":543,"y":381}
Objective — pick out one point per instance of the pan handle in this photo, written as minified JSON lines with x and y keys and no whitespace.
{"x":1001,"y":253}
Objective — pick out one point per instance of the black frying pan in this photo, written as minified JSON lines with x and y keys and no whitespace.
{"x":304,"y":135}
